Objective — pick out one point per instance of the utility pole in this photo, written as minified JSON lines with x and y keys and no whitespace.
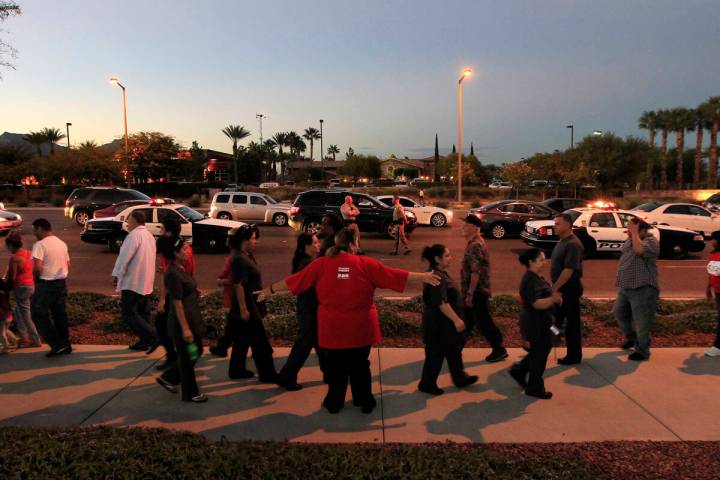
{"x":67,"y":126}
{"x":322,"y":152}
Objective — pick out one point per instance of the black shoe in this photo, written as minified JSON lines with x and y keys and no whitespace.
{"x":497,"y":355}
{"x":393,"y":253}
{"x":628,"y":345}
{"x":568,"y":361}
{"x":465,"y":381}
{"x":434,"y":390}
{"x":544,"y":395}
{"x":64,"y":350}
{"x":218,"y":351}
{"x":139,"y":346}
{"x":166,"y":385}
{"x":152,"y":347}
{"x":242,"y":374}
{"x":291,"y":386}
{"x":368,"y":407}
{"x":164,"y":365}
{"x":519,"y":377}
{"x":330,"y":409}
{"x":272,"y":378}
{"x":635,"y":356}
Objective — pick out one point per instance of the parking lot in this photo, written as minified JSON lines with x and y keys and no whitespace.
{"x":92,"y":264}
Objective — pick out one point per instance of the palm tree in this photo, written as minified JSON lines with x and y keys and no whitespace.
{"x":88,"y":145}
{"x":700,"y":123}
{"x":269,"y":146}
{"x":333,"y":150}
{"x":235,"y":133}
{"x":311,"y":134}
{"x":648,"y":121}
{"x":296,"y":144}
{"x":37,"y":139}
{"x":663,"y":119}
{"x":280,"y":140}
{"x":712,"y":108}
{"x":680,"y":119}
{"x":52,"y":136}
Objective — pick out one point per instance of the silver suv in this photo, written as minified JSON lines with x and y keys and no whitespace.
{"x":249,"y":207}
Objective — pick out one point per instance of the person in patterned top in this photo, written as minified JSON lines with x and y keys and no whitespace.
{"x":475,"y":284}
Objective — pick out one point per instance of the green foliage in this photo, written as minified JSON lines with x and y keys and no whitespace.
{"x":359,"y":166}
{"x":504,"y":306}
{"x":82,"y":306}
{"x":152,"y":155}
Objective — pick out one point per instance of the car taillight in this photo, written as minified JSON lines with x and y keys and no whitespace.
{"x":542,"y":231}
{"x":67,"y":203}
{"x":479,"y":215}
{"x":294,"y":210}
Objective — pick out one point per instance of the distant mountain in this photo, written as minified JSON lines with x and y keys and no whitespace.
{"x":18,"y":139}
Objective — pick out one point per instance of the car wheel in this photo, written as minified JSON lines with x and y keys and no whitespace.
{"x":81,"y":217}
{"x":311,"y":226}
{"x":498,"y":231}
{"x":280,"y":219}
{"x":438,"y":220}
{"x":116,"y":242}
{"x":224,"y":216}
{"x":214,"y":245}
{"x":677,"y":251}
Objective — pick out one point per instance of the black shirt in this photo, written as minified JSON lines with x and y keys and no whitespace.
{"x":307,"y":302}
{"x":180,"y":285}
{"x":534,"y":322}
{"x":568,"y":254}
{"x":245,"y":272}
{"x":437,"y":328}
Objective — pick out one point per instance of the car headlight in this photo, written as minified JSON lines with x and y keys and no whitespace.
{"x":18,"y":217}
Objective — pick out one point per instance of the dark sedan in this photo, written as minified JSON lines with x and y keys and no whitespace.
{"x":508,"y":217}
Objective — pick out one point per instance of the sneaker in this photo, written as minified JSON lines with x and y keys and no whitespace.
{"x":200,"y":398}
{"x":497,"y":355}
{"x":519,"y":377}
{"x":139,"y":346}
{"x":434,"y":390}
{"x":152,"y":347}
{"x":712,"y":352}
{"x":166,"y":385}
{"x":64,"y":350}
{"x":635,"y":356}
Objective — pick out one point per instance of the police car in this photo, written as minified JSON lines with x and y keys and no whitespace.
{"x":603,"y":230}
{"x":209,"y":234}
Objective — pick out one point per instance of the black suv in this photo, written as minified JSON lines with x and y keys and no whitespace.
{"x":309,"y":207}
{"x":82,"y":202}
{"x":508,"y":217}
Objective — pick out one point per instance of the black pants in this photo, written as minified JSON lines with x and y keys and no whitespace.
{"x":251,"y":333}
{"x":135,"y":309}
{"x":47,"y":308}
{"x":568,"y":315}
{"x":353,"y":364}
{"x":304,"y":343}
{"x":225,"y":341}
{"x":161,"y":328}
{"x":434,"y":356}
{"x":479,"y":315}
{"x":182,"y":371}
{"x":717,"y":334}
{"x":534,"y":363}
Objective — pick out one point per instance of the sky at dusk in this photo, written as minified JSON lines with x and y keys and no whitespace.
{"x":382,"y":74}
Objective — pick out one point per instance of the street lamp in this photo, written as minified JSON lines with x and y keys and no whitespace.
{"x":572,"y":135}
{"x":67,"y":127}
{"x":597,"y":133}
{"x":127,"y":146}
{"x":322,"y":152}
{"x":466,"y":73}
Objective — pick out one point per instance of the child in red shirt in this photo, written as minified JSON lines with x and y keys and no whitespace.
{"x":713,"y":287}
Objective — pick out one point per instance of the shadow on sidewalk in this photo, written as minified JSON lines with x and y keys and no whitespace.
{"x":699,"y":364}
{"x":608,"y":366}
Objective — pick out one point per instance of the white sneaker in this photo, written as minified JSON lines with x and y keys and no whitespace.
{"x":712,"y":352}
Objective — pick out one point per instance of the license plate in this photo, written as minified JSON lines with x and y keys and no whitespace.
{"x":550,"y":231}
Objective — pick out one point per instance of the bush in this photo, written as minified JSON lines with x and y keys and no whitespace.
{"x":82,"y":306}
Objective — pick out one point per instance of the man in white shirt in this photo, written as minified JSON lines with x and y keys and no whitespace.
{"x":134,"y":274}
{"x":51,"y":264}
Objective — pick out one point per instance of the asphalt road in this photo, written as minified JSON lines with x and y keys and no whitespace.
{"x":92,"y":264}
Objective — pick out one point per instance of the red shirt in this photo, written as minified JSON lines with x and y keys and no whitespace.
{"x":227,"y":289}
{"x":345,"y":286}
{"x":24,"y":276}
{"x":713,"y":269}
{"x":189,"y":265}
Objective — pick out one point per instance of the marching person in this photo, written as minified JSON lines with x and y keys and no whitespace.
{"x":19,"y":279}
{"x":184,"y":321}
{"x":350,"y":212}
{"x":329,"y":226}
{"x":51,"y":265}
{"x":308,"y":247}
{"x":171,"y":229}
{"x":400,"y":220}
{"x":134,"y":276}
{"x":536,"y":317}
{"x":442,"y":325}
{"x":347,"y":318}
{"x":638,"y":288}
{"x":422,"y":197}
{"x":475,"y":277}
{"x":246,"y":311}
{"x":566,"y":275}
{"x":224,"y":280}
{"x":713,"y":288}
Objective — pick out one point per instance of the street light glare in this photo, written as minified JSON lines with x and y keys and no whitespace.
{"x":467,"y":72}
{"x":114,"y":80}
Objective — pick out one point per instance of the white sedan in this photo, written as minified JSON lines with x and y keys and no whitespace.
{"x":685,"y":215}
{"x":426,"y":214}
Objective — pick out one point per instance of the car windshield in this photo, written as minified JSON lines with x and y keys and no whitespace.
{"x":647,"y":207}
{"x":270,"y":200}
{"x":190,"y":214}
{"x":490,"y":206}
{"x":574,"y":214}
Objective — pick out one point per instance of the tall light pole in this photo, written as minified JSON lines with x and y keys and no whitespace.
{"x":466,"y":73}
{"x":572,"y":135}
{"x":260,"y":117}
{"x":127,"y":145}
{"x":598,"y":133}
{"x":67,"y":127}
{"x":322,"y":152}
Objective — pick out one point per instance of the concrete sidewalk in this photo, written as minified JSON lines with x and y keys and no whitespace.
{"x":671,"y":397}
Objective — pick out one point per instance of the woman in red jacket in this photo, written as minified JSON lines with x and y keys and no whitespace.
{"x":347,"y":318}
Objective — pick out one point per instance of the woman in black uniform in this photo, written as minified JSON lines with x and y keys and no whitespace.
{"x":308,"y":247}
{"x":245,"y":311}
{"x":442,"y":325}
{"x":536,"y":319}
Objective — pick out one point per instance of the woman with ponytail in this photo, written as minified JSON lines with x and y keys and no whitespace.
{"x":442,"y":325}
